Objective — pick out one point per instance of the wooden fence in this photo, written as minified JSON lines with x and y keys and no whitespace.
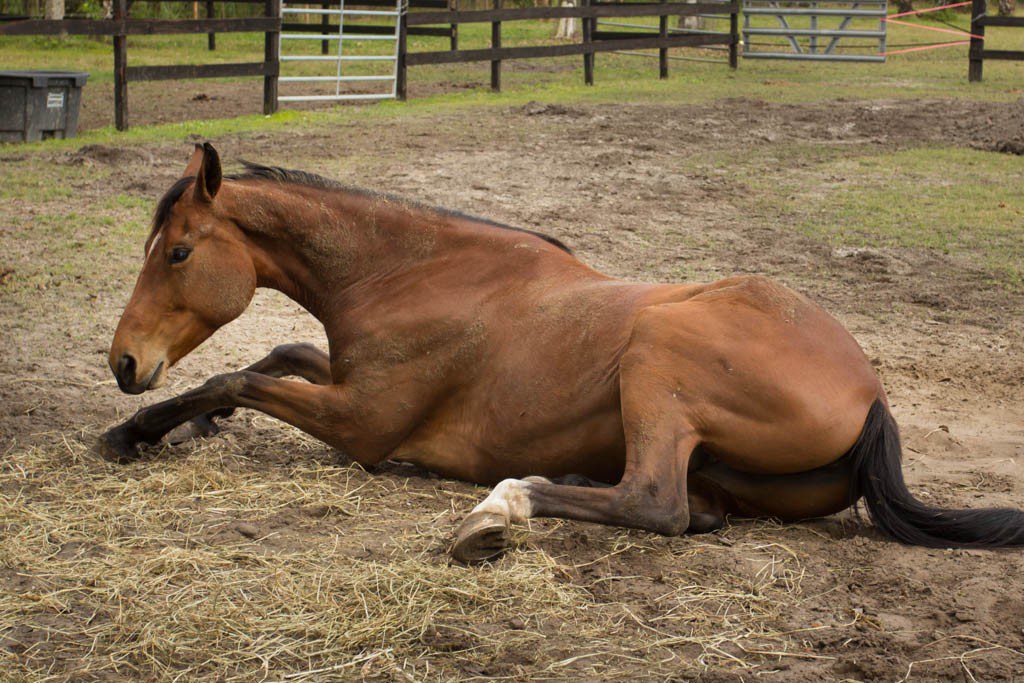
{"x":441,"y":18}
{"x":121,"y":26}
{"x":593,"y":41}
{"x":977,"y":53}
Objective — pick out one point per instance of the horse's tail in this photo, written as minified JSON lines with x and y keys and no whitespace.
{"x":878,"y":477}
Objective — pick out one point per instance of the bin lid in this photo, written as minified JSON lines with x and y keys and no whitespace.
{"x":41,"y":78}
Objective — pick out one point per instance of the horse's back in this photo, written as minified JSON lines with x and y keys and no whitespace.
{"x":769,"y":380}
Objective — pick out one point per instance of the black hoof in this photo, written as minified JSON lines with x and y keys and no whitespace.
{"x":118,"y":445}
{"x":198,"y":428}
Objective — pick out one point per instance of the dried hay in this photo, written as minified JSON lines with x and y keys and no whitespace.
{"x":215,"y":565}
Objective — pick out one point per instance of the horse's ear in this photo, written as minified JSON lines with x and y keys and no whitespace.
{"x":194,"y":163}
{"x":209,"y":175}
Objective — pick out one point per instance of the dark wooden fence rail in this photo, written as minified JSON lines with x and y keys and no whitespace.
{"x":593,"y":41}
{"x":977,"y":53}
{"x":121,"y":26}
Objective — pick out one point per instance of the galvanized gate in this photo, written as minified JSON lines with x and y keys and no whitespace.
{"x":815,"y":31}
{"x":358,"y":46}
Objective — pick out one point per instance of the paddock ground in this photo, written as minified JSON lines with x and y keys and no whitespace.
{"x":261,"y":554}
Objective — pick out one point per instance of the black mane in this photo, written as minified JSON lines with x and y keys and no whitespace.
{"x":284,"y":175}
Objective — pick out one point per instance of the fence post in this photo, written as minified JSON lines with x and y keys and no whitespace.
{"x":120,"y":66}
{"x":453,"y":5}
{"x":495,"y":44}
{"x":663,"y":52}
{"x":325,"y":22}
{"x":401,"y":82}
{"x":979,"y":9}
{"x":271,"y":58}
{"x":211,"y":38}
{"x":588,"y":39}
{"x":734,"y":36}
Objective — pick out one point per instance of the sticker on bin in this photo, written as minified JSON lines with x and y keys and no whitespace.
{"x":55,"y":100}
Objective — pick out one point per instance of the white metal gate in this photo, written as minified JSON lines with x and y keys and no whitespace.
{"x":354,"y":52}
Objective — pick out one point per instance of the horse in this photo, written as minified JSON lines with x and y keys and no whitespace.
{"x":491,"y":354}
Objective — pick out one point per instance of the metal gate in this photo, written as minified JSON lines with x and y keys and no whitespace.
{"x":815,"y":31}
{"x":356,"y":47}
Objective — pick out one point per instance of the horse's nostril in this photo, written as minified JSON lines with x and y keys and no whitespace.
{"x":126,"y":369}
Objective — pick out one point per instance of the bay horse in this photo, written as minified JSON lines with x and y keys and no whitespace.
{"x":491,"y":354}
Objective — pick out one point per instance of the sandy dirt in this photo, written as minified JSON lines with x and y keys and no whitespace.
{"x":628,"y":188}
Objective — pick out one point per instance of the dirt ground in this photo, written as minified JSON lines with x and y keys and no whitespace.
{"x":154,"y":102}
{"x":632,"y":190}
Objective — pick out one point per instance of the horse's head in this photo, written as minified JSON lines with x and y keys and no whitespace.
{"x":197,"y":276}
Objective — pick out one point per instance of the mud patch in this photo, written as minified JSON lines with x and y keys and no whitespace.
{"x":110,"y":156}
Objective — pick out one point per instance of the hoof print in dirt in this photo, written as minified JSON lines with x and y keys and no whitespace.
{"x":481,"y":536}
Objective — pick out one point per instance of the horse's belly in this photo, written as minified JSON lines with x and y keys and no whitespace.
{"x":593,"y":446}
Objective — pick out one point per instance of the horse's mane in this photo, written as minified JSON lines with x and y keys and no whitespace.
{"x":304,"y":178}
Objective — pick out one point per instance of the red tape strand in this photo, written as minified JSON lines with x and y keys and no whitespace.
{"x":934,"y":28}
{"x":926,"y":47}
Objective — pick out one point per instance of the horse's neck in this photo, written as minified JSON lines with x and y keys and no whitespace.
{"x":316,"y":245}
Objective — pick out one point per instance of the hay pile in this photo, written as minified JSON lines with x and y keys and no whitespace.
{"x":213,"y":562}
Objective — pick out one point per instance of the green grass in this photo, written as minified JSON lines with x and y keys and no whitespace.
{"x":956,"y":202}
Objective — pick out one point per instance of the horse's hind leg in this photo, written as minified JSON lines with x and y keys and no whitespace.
{"x":300,"y":360}
{"x":652,"y":494}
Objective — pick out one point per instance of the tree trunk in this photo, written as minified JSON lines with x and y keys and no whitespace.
{"x":54,"y":9}
{"x":1006,"y":7}
{"x":691,"y":21}
{"x":568,"y":28}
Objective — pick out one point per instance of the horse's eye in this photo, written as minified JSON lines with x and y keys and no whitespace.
{"x":179,"y":254}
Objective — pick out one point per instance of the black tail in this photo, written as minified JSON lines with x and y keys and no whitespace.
{"x":879,"y":479}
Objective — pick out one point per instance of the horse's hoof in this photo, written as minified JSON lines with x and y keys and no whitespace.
{"x":118,"y":445}
{"x":198,"y":428}
{"x":481,"y":536}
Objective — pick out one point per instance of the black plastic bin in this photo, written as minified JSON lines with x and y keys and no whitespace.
{"x":39,"y":105}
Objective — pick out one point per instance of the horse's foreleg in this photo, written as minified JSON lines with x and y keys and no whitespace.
{"x":319,"y":410}
{"x":301,"y":360}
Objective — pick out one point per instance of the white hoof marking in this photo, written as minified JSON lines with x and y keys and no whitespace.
{"x":511,"y":499}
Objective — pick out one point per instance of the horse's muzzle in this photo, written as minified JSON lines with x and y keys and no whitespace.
{"x":125,"y":373}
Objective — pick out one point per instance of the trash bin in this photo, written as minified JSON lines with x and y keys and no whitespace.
{"x":39,"y":105}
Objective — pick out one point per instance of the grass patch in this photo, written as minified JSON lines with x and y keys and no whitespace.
{"x":957,"y":202}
